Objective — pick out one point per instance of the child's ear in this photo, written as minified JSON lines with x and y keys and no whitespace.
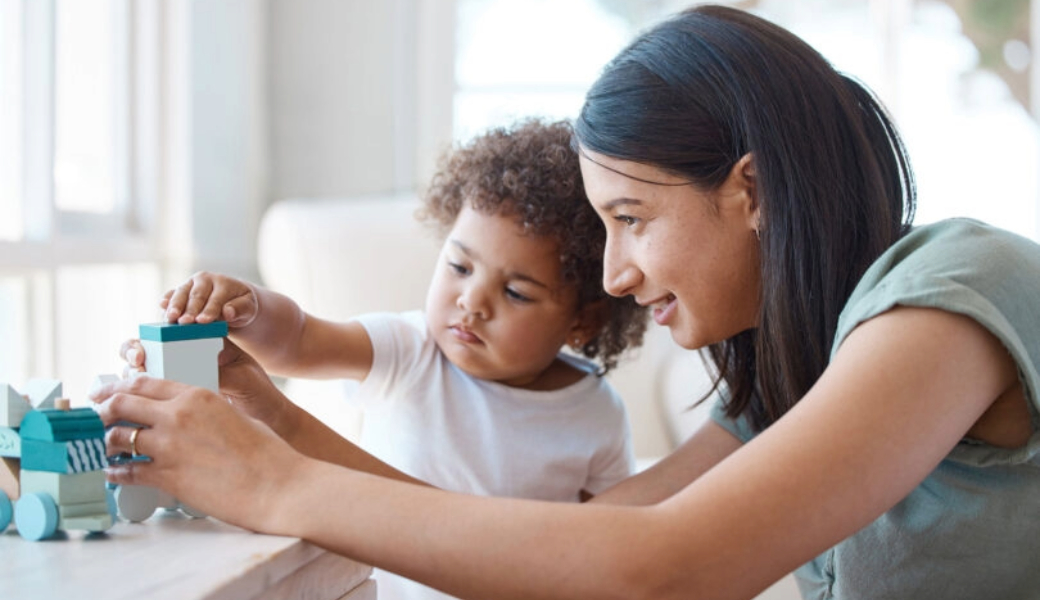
{"x":590,"y":320}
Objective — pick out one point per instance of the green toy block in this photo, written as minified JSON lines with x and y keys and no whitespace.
{"x":172,"y":332}
{"x":10,"y":443}
{"x":66,"y":489}
{"x":76,"y":456}
{"x":95,"y":523}
{"x":83,"y":509}
{"x":62,"y":425}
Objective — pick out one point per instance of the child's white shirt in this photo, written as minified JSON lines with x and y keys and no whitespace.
{"x":428,"y":418}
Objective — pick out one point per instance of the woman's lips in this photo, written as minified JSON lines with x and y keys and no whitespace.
{"x":663,"y":312}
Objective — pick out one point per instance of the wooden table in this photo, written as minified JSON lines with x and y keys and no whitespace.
{"x":176,"y":557}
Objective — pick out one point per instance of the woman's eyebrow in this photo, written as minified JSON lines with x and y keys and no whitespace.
{"x":624,"y":201}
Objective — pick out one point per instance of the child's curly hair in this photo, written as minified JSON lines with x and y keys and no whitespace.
{"x":530,"y":171}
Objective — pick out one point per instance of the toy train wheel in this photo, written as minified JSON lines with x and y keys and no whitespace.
{"x":6,"y":511}
{"x":36,"y":516}
{"x":136,"y":502}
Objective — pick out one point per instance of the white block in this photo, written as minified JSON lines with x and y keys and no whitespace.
{"x":189,"y":361}
{"x":12,"y":406}
{"x":43,"y":392}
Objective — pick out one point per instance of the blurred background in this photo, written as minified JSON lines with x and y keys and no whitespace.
{"x":142,"y":140}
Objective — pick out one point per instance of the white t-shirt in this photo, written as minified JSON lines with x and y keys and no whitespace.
{"x":428,"y":418}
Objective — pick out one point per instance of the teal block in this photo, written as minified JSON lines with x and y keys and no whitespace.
{"x":36,"y":516}
{"x":172,"y":332}
{"x":6,"y":511}
{"x":10,"y":443}
{"x":62,"y":425}
{"x":75,"y":456}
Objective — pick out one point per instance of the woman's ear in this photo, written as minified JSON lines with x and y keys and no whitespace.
{"x":743,"y":184}
{"x":590,"y":320}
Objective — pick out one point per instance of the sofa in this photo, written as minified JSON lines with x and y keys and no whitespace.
{"x":340,"y":257}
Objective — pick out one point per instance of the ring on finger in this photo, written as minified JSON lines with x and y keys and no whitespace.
{"x":133,"y":442}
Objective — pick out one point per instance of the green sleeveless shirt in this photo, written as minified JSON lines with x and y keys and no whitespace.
{"x":971,"y":530}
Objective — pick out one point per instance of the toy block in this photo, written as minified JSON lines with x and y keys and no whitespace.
{"x":94,"y":523}
{"x":42,"y":392}
{"x":84,"y":509}
{"x":77,"y":456}
{"x":10,"y":443}
{"x":102,"y":380}
{"x":6,"y":512}
{"x":173,"y":332}
{"x":9,"y":480}
{"x":193,"y":362}
{"x":66,"y":489}
{"x":63,"y":404}
{"x":62,"y":425}
{"x":13,"y":406}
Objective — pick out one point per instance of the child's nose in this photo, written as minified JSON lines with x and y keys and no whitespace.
{"x":474,"y":301}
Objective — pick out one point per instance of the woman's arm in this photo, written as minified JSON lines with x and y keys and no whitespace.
{"x":903,"y":389}
{"x":705,"y":449}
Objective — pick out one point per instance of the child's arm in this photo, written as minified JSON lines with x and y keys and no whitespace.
{"x":272,"y":328}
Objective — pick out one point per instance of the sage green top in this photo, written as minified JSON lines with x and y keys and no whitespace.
{"x":971,"y":529}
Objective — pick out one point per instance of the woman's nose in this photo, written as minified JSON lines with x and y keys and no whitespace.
{"x":620,"y":275}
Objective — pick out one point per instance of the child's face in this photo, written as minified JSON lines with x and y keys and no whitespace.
{"x":497,"y":306}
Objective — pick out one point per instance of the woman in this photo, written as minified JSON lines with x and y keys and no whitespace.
{"x":880,"y":411}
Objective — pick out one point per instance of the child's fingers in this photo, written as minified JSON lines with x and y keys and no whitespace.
{"x":241,"y":310}
{"x":177,"y":300}
{"x":199,"y":296}
{"x":132,"y":352}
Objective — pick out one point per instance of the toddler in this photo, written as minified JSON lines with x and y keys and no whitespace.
{"x":475,"y":393}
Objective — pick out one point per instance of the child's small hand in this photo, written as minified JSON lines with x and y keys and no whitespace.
{"x":133,"y":353}
{"x":208,"y":297}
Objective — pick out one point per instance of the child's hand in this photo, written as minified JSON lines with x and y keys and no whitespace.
{"x":208,"y":297}
{"x":133,"y":353}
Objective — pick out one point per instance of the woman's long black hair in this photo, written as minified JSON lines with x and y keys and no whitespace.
{"x":694,"y":94}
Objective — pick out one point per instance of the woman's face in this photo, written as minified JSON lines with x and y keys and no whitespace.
{"x":692,"y":256}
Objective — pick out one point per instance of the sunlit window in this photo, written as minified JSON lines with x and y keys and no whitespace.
{"x":10,"y":120}
{"x":84,"y":153}
{"x":955,"y":76}
{"x":518,"y":58}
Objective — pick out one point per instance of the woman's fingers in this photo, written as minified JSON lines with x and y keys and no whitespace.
{"x":132,"y":399}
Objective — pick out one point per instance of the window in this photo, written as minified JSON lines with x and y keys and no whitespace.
{"x":77,"y":270}
{"x":954,"y":74}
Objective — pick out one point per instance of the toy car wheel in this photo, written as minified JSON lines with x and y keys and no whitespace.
{"x":136,"y":502}
{"x":36,"y":516}
{"x":6,"y":511}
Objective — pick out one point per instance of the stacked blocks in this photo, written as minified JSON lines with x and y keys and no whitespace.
{"x":185,"y":353}
{"x":59,"y":484}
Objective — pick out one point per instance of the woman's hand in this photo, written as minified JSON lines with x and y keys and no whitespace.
{"x":208,"y":297}
{"x":203,"y":451}
{"x":242,"y":380}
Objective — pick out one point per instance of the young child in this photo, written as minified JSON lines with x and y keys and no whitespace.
{"x":473,"y":394}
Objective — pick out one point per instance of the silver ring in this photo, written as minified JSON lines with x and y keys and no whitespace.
{"x":133,"y":442}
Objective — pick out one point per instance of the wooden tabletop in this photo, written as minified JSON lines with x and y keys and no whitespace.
{"x":173,"y":556}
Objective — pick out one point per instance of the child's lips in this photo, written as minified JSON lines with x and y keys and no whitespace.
{"x":464,"y":335}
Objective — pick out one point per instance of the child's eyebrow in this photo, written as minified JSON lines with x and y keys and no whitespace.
{"x":510,"y":275}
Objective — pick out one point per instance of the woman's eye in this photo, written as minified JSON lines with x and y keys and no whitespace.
{"x":627,"y":220}
{"x":515,"y":295}
{"x":458,"y":268}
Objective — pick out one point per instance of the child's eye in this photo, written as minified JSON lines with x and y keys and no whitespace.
{"x":517,"y":296}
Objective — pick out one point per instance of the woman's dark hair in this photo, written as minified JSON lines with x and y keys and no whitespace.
{"x":531,"y":172}
{"x":694,"y":94}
